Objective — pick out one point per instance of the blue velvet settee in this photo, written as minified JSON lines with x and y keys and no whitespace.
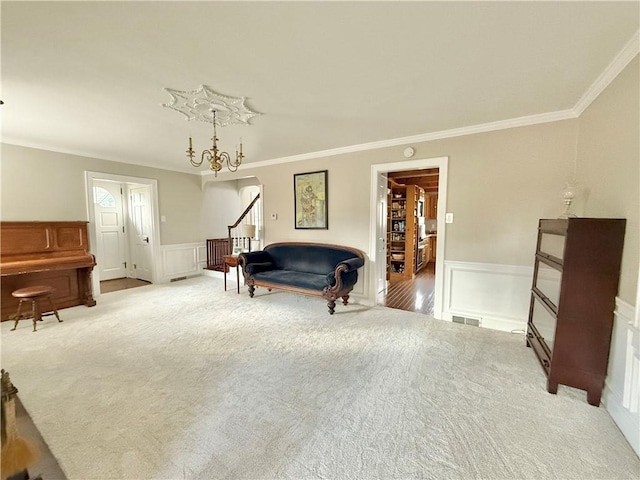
{"x":328,"y":271}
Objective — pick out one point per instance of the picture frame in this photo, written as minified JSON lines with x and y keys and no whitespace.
{"x":311,"y":206}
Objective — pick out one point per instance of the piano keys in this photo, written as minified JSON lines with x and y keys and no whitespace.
{"x":46,"y":253}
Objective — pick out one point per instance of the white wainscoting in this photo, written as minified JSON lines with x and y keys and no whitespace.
{"x":496,"y":295}
{"x":621,"y":395}
{"x":182,"y":260}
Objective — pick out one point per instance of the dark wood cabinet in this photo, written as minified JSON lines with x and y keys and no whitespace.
{"x":575,"y":282}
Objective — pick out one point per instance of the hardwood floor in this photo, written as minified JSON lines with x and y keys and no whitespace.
{"x":415,"y":295}
{"x":107,"y":286}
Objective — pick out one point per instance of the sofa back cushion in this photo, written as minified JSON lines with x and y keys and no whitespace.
{"x":310,"y":258}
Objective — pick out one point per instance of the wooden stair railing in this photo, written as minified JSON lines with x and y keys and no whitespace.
{"x":217,"y":248}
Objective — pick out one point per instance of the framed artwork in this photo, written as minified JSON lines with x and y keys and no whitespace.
{"x":310,"y":200}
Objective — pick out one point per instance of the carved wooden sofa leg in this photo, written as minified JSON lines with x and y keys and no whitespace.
{"x":252,"y":289}
{"x":332,"y":306}
{"x":345,"y":299}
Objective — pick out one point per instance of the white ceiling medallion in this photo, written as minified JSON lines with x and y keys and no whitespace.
{"x":199,"y":105}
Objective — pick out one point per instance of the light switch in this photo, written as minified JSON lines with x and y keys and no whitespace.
{"x":448,"y":218}
{"x":163,"y":218}
{"x":274,"y":216}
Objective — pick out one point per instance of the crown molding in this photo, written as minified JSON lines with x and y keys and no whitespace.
{"x":619,"y":63}
{"x":79,"y":153}
{"x":425,"y":137}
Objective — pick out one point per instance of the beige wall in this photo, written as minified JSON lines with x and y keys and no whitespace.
{"x":608,"y":165}
{"x":500,"y":184}
{"x":43,"y":185}
{"x":221,"y":208}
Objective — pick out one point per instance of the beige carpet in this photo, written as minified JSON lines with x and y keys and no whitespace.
{"x":184,"y":381}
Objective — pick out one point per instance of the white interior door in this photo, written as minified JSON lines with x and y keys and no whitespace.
{"x":141,"y":232}
{"x":381,"y":233}
{"x":110,"y":219}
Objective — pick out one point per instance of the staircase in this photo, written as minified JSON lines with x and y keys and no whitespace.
{"x":239,"y":239}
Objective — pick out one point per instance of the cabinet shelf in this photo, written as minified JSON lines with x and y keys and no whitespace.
{"x":553,"y":262}
{"x":401,"y":231}
{"x":575,"y":281}
{"x":553,"y":310}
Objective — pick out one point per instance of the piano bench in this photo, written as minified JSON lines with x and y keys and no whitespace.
{"x":35,"y":295}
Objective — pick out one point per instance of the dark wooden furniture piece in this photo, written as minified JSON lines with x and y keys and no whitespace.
{"x":323,"y":270}
{"x":46,"y":253}
{"x":231,"y":261}
{"x":575,"y":282}
{"x":36,"y":295}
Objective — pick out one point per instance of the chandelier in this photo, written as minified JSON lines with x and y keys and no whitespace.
{"x":214,"y":156}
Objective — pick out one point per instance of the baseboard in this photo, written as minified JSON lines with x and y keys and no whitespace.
{"x":488,"y":320}
{"x":213,"y":273}
{"x":624,"y":419}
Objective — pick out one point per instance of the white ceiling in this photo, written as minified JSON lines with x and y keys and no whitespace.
{"x":88,"y":77}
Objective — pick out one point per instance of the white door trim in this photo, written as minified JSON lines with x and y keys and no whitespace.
{"x":442,"y":163}
{"x":155,"y":223}
{"x":381,"y":230}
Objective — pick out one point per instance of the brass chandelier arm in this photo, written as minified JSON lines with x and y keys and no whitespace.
{"x":215,"y":159}
{"x":195,"y":163}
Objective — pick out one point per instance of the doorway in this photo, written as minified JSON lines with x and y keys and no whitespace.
{"x":123,"y":230}
{"x":433,"y":272}
{"x":411,"y":241}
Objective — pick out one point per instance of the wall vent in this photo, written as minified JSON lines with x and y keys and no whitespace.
{"x":475,"y":322}
{"x":178,"y":279}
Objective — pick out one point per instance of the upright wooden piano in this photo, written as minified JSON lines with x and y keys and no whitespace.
{"x":46,"y":253}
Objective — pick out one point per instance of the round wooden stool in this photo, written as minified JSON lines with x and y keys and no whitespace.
{"x":35,"y":295}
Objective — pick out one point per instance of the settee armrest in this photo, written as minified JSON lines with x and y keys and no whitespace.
{"x":255,"y":262}
{"x":345,"y":274}
{"x":259,"y":256}
{"x":351,"y":263}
